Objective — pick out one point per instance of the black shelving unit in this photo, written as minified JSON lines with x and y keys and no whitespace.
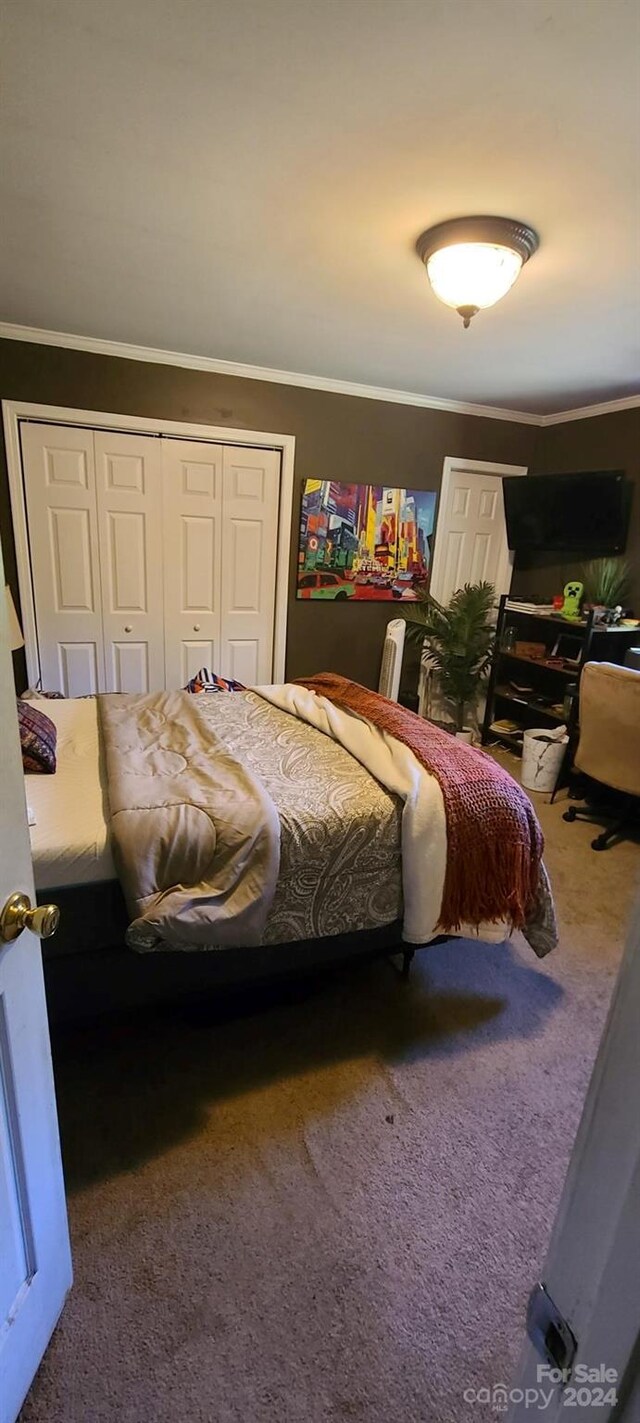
{"x":542,"y":704}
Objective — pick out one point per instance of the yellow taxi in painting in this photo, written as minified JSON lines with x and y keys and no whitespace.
{"x":324,"y":585}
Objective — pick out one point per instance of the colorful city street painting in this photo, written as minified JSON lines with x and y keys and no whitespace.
{"x":364,"y":542}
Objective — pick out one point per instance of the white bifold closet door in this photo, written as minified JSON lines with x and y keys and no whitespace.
{"x":192,"y":483}
{"x":94,"y":511}
{"x":60,"y":488}
{"x":251,"y":481}
{"x":221,"y":517}
{"x":128,"y":484}
{"x":150,"y":558}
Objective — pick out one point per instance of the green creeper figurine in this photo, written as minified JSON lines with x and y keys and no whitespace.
{"x":572,"y":599}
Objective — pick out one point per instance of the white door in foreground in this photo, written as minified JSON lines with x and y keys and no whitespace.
{"x":592,"y":1269}
{"x":471,"y":536}
{"x":35,"y":1268}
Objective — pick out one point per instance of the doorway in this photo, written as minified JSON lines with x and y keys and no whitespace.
{"x":470,"y":545}
{"x":471,"y":534}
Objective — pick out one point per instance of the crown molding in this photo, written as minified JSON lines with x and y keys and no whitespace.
{"x":152,"y":354}
{"x":126,"y":352}
{"x":586,"y":412}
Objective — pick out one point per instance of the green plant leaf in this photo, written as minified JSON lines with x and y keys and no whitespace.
{"x":607,"y":581}
{"x":459,"y":639}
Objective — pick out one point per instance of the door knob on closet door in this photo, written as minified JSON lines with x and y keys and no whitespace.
{"x":127,"y":627}
{"x":196,"y":627}
{"x":18,"y":915}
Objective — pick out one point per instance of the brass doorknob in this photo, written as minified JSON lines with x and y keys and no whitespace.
{"x":18,"y":915}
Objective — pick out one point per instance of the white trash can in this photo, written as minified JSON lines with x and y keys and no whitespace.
{"x":541,"y":759}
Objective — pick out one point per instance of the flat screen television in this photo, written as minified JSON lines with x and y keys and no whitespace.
{"x":568,"y":513}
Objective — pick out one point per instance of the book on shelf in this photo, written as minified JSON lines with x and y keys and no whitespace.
{"x":505,"y":727}
{"x":520,"y":605}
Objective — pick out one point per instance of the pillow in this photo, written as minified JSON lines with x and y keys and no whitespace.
{"x":38,"y":736}
{"x":206,"y":681}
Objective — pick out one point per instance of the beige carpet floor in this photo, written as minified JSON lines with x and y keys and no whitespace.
{"x":329,"y":1202}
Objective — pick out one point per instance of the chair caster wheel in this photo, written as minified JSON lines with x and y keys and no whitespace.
{"x":599,"y":843}
{"x":570,"y":814}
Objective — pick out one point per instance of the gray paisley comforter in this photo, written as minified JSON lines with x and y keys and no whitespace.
{"x":340,"y":860}
{"x":235,"y":823}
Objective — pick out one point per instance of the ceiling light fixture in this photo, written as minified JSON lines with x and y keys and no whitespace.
{"x":472,"y":262}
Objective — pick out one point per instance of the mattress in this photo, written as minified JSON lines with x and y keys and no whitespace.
{"x":69,"y":840}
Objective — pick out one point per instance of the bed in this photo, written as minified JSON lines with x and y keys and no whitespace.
{"x":338,"y":886}
{"x":70,"y":835}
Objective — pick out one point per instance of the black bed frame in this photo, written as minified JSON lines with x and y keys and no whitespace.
{"x":89,"y":971}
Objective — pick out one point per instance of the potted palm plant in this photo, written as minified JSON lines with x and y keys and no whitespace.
{"x":458,"y":641}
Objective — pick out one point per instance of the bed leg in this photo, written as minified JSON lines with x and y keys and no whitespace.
{"x":407,"y":959}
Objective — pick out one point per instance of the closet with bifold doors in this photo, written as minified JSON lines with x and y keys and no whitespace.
{"x":150,"y":557}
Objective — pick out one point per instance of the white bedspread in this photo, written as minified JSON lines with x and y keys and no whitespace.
{"x":69,"y":841}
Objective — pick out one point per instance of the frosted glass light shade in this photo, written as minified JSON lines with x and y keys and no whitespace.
{"x":472,"y":262}
{"x":473,"y":273}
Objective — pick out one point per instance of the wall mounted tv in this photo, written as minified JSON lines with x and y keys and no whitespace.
{"x":568,"y":513}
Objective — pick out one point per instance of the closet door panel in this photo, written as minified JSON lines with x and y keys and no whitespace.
{"x":195,"y":655}
{"x":129,"y":669}
{"x":71,"y":561}
{"x":251,"y":493}
{"x":243,"y":663}
{"x":129,"y":501}
{"x":78,"y":669}
{"x":127,"y":563}
{"x":192,"y":486}
{"x":60,"y":488}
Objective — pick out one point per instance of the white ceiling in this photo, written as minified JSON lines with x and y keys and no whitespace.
{"x":245,"y":179}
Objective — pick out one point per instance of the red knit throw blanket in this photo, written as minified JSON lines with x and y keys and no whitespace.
{"x":494,"y":841}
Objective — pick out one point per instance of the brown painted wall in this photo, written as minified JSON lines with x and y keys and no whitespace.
{"x":338,"y":436}
{"x":600,"y":442}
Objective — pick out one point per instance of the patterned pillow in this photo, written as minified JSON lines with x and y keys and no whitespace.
{"x":206,"y":681}
{"x":38,"y":736}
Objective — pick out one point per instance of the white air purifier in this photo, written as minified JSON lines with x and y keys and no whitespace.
{"x":392,"y":651}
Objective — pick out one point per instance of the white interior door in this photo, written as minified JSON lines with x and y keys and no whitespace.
{"x":35,"y":1261}
{"x":129,"y":503}
{"x":592,"y":1267}
{"x":63,"y":536}
{"x":471,"y":536}
{"x":251,"y":491}
{"x":192,"y":484}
